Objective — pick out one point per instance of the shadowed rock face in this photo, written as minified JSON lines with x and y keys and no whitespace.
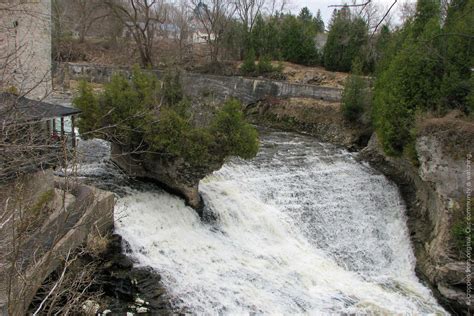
{"x":434,"y":194}
{"x":175,"y":175}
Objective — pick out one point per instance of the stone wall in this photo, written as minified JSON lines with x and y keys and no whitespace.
{"x":25,"y":47}
{"x":247,"y":90}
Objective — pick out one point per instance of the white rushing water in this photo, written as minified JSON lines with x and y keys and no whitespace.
{"x":303,"y":228}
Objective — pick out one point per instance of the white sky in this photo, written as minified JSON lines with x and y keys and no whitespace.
{"x":313,"y":5}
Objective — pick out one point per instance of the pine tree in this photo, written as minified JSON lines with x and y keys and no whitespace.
{"x":318,"y":21}
{"x":248,"y":67}
{"x":457,"y":49}
{"x":410,"y":82}
{"x":346,"y":38}
{"x":355,"y":98}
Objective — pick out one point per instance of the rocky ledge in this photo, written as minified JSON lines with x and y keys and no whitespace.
{"x":173,"y":174}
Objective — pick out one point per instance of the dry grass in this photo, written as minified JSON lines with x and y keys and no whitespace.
{"x":454,"y":130}
{"x":314,"y":75}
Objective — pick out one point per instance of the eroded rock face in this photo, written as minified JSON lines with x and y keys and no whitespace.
{"x":173,"y":174}
{"x":435,"y":196}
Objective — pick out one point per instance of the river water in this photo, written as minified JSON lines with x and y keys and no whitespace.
{"x":302,"y":228}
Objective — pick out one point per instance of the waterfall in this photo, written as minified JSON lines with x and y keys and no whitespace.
{"x":302,"y":228}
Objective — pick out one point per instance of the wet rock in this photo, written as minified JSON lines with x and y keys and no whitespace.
{"x":126,"y":287}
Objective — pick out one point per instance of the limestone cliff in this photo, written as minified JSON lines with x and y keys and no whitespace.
{"x":435,"y":194}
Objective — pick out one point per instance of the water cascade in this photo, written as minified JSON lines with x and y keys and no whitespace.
{"x":302,"y":228}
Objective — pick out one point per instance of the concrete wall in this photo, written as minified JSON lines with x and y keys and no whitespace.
{"x":25,"y":46}
{"x":247,"y":90}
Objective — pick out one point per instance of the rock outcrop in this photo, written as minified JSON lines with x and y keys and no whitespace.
{"x":435,"y":194}
{"x":174,"y":174}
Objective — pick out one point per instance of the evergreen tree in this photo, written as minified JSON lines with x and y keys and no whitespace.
{"x":248,"y":67}
{"x":305,"y":15}
{"x":297,"y":41}
{"x":355,"y":98}
{"x":457,"y":49}
{"x":318,"y":21}
{"x":410,"y":82}
{"x":346,"y":38}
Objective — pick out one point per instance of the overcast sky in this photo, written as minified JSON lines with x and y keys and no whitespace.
{"x":326,"y":12}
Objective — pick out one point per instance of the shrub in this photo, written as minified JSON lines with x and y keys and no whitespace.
{"x":265,"y":65}
{"x":236,"y":137}
{"x":172,"y":89}
{"x":355,"y":98}
{"x":87,"y":102}
{"x":248,"y":67}
{"x":129,"y":112}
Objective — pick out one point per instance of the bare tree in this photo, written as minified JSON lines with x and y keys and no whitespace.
{"x":407,"y":10}
{"x":248,"y":10}
{"x":142,"y":19}
{"x":274,"y":6}
{"x":180,"y":16}
{"x":87,"y":13}
{"x":214,"y":17}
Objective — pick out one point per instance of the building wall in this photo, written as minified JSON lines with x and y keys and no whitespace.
{"x":25,"y":47}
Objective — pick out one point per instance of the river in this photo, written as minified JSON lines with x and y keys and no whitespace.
{"x":302,"y":228}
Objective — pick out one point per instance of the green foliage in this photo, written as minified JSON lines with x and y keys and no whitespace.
{"x":346,"y":38}
{"x":130,"y":113}
{"x":264,"y":65}
{"x":127,"y":105}
{"x":297,"y":41}
{"x":237,"y":138}
{"x":248,"y":67}
{"x":457,"y":51}
{"x":172,"y":89}
{"x":319,"y":23}
{"x":91,"y":116}
{"x":355,"y":98}
{"x":408,"y":83}
{"x":287,"y":37}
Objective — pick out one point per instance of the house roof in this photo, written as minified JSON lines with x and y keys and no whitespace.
{"x":14,"y":108}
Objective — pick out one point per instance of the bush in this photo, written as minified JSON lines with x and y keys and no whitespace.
{"x":235,"y":135}
{"x":130,"y":113}
{"x":248,"y":67}
{"x":265,"y":65}
{"x":355,"y":98}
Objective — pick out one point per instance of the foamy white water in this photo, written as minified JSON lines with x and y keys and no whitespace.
{"x":303,"y":228}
